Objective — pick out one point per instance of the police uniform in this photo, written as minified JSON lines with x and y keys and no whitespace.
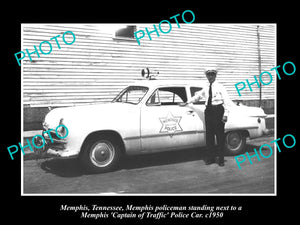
{"x":217,"y":103}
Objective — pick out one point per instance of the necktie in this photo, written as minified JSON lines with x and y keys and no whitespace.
{"x":210,"y":95}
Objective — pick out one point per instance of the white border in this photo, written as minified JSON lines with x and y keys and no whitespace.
{"x":158,"y":194}
{"x":22,"y":118}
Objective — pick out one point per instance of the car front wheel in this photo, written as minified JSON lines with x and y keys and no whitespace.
{"x":235,"y":142}
{"x":101,"y":154}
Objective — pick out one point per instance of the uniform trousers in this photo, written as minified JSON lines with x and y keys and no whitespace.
{"x":215,"y":128}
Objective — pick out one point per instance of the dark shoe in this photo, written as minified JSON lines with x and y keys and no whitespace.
{"x":221,"y":164}
{"x":218,"y":160}
{"x":209,"y":161}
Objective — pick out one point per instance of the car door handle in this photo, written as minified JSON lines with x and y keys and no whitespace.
{"x":189,"y":112}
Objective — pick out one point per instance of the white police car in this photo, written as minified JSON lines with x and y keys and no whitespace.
{"x":144,"y":118}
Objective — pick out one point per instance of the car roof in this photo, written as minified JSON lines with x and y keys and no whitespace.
{"x":159,"y":82}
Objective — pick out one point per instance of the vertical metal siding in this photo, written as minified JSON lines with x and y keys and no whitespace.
{"x":97,"y":66}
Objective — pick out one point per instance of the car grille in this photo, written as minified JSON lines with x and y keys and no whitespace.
{"x":56,"y":143}
{"x":53,"y":136}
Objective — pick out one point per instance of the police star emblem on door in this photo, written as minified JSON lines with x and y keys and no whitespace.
{"x":170,"y":124}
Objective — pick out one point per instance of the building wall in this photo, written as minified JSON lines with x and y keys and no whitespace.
{"x":98,"y":65}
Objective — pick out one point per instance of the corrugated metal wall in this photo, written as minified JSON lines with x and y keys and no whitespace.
{"x":97,"y":65}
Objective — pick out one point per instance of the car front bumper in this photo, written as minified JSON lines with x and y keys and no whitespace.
{"x":53,"y":146}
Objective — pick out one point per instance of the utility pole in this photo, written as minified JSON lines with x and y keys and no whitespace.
{"x":259,"y":64}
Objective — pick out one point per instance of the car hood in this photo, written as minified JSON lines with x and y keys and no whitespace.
{"x":86,"y":113}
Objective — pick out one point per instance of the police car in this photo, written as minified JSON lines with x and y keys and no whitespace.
{"x":145,"y":117}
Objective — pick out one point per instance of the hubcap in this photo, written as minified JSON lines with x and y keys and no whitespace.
{"x":234,"y":141}
{"x":102,"y":153}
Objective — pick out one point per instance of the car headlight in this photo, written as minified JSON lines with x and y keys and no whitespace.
{"x":62,"y":130}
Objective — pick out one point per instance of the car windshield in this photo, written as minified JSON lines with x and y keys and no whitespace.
{"x":131,"y":94}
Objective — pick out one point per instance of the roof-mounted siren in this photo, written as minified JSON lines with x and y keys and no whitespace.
{"x":149,"y":75}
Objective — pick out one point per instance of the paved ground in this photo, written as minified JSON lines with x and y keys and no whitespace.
{"x":172,"y":172}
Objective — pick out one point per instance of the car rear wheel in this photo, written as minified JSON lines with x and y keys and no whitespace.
{"x":101,"y":154}
{"x":235,"y":142}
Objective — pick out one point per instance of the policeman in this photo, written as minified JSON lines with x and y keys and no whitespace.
{"x":216,"y":112}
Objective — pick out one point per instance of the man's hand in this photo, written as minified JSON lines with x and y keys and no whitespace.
{"x":224,"y":119}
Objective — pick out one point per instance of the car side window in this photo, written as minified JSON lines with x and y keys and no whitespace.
{"x":193,"y":92}
{"x":168,"y":96}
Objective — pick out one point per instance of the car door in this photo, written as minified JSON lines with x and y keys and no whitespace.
{"x":165,"y":125}
{"x":199,"y":106}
